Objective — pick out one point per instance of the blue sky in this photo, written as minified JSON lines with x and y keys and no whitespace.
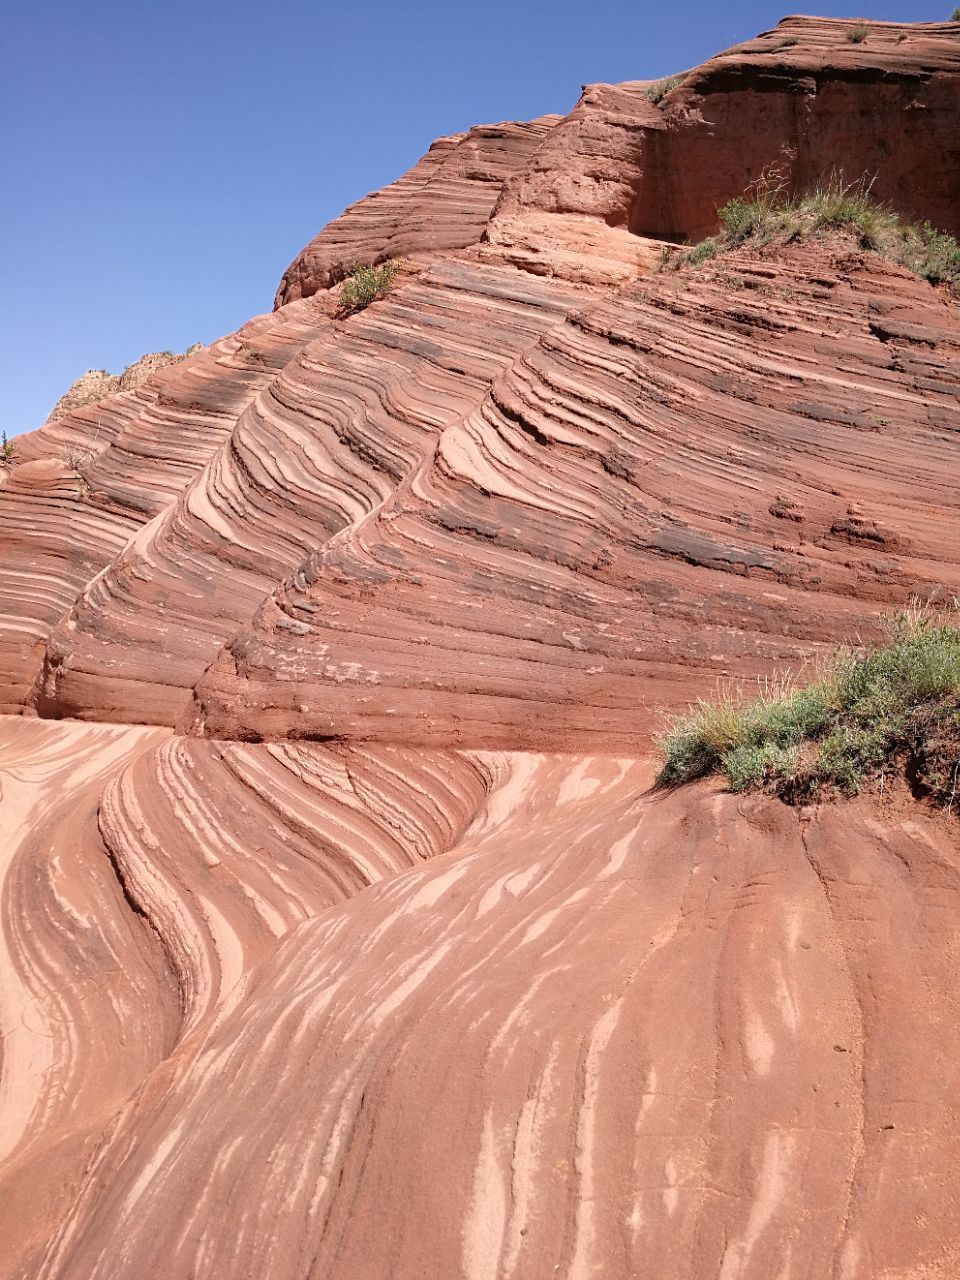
{"x":163,"y":163}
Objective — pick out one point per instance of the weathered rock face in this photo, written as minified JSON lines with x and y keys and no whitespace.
{"x":659,"y":1034}
{"x":387,"y":960}
{"x":314,"y":449}
{"x":353,"y":419}
{"x":687,"y":480}
{"x":97,"y":384}
{"x":884,"y":109}
{"x":444,"y":202}
{"x":86,"y":482}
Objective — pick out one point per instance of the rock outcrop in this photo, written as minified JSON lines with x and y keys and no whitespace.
{"x":97,"y":384}
{"x":355,"y":941}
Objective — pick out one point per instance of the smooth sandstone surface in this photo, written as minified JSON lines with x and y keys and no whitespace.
{"x":601,"y":1031}
{"x":343,"y":934}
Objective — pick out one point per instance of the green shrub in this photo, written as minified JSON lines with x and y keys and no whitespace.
{"x":701,"y":252}
{"x":955,"y":16}
{"x":8,"y":450}
{"x":739,"y":217}
{"x":788,"y":42}
{"x":364,"y":285}
{"x":765,"y":212}
{"x":857,"y":33}
{"x":660,"y":88}
{"x":898,"y":703}
{"x":938,"y":256}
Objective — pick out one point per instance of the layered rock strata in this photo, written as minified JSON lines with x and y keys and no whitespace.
{"x":707,"y":474}
{"x":333,"y":437}
{"x":98,"y":384}
{"x":221,"y":489}
{"x":87,"y":481}
{"x":143,"y":881}
{"x":389,"y":960}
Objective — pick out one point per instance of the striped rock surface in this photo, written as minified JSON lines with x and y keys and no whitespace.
{"x":711,"y":473}
{"x":354,"y":941}
{"x":89,"y":480}
{"x":344,"y":425}
{"x":603,"y":1031}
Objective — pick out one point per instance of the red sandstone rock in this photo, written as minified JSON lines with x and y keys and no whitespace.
{"x":709,"y":474}
{"x":608,"y":1032}
{"x":110,"y":468}
{"x":443,"y":203}
{"x":412,"y":1001}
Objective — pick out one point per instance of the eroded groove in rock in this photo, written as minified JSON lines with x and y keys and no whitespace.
{"x":136,"y":909}
{"x":226,"y":847}
{"x":87,"y":481}
{"x":529,"y":987}
{"x":329,"y":441}
{"x":689,"y":480}
{"x":87,"y":1002}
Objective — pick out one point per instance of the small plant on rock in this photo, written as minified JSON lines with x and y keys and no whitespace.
{"x":364,"y":285}
{"x":937,"y":256}
{"x":857,"y":33}
{"x":766,"y":213}
{"x":892,"y":707}
{"x":702,"y":252}
{"x":74,"y":456}
{"x":955,"y":16}
{"x":8,"y":450}
{"x":660,"y":88}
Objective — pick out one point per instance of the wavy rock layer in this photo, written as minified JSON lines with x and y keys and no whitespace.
{"x":86,"y":1007}
{"x":710,"y":474}
{"x":341,"y":429}
{"x":142,"y":881}
{"x":339,"y":982}
{"x":89,"y":480}
{"x":304,"y":443}
{"x":98,"y":384}
{"x":443,"y":203}
{"x":797,"y":1118}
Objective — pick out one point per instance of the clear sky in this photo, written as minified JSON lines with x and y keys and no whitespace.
{"x":162,"y":163}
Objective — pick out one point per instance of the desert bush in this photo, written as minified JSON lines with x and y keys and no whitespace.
{"x":75,"y":456}
{"x":955,"y":16}
{"x":660,"y":88}
{"x":936,"y":255}
{"x":364,"y":285}
{"x":766,"y":212}
{"x":857,"y":33}
{"x":701,"y":252}
{"x":8,"y":450}
{"x":896,"y":704}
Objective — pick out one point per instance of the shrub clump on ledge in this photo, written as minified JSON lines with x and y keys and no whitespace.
{"x":660,"y":88}
{"x":896,"y":706}
{"x":764,"y":214}
{"x":363,"y":285}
